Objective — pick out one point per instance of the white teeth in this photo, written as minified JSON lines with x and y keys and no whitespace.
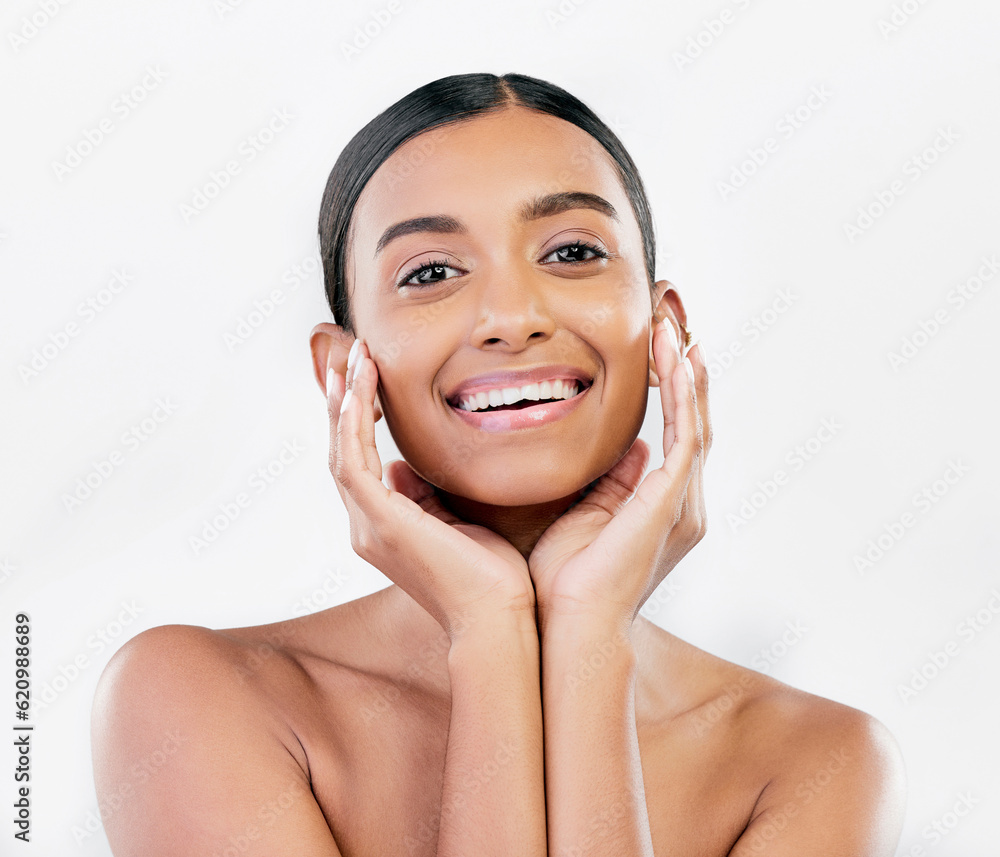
{"x":558,"y":389}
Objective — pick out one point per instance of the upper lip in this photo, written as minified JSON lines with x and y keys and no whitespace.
{"x":517,"y":378}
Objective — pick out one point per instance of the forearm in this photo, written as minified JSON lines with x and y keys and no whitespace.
{"x":594,"y":789}
{"x":493,"y":800}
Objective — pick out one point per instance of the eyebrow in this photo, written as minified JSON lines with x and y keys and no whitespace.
{"x":535,"y":209}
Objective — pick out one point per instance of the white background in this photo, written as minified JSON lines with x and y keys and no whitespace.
{"x":889,"y":94}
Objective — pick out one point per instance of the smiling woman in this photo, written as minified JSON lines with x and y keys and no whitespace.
{"x":488,"y":254}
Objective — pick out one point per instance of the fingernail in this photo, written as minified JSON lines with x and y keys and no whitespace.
{"x":699,"y":352}
{"x":347,"y":400}
{"x":329,"y":382}
{"x":353,"y":355}
{"x":357,"y":370}
{"x":690,"y":368}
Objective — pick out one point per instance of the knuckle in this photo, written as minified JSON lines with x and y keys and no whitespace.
{"x":370,"y":540}
{"x":388,"y":540}
{"x":693,"y":531}
{"x":697,"y":444}
{"x":341,"y":472}
{"x":360,"y":540}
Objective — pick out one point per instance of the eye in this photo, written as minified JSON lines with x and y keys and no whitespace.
{"x":577,"y":249}
{"x":423,"y":275}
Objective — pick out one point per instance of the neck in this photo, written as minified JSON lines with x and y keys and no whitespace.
{"x":522,"y":526}
{"x":413,"y":647}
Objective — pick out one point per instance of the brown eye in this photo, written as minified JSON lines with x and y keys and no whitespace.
{"x":428,"y":274}
{"x":578,"y":252}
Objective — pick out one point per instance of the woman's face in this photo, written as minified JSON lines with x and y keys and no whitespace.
{"x":496,"y":290}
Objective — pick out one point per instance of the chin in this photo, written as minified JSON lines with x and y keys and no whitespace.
{"x":499,"y":484}
{"x":525,"y":472}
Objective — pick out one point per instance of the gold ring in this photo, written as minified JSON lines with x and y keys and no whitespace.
{"x":687,"y":335}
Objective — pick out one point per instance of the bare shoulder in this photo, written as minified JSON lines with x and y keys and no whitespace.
{"x":192,"y":753}
{"x":828,"y":778}
{"x":772,"y":769}
{"x":199,"y":667}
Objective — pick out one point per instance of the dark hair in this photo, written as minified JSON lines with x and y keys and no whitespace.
{"x":452,"y":99}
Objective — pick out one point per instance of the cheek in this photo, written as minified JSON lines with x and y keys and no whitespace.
{"x":407,"y":367}
{"x":626,"y":383}
{"x":413,"y":339}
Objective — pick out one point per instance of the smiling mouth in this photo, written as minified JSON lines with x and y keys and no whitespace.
{"x":514,"y":399}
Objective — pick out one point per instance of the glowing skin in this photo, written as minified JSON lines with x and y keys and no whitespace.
{"x":504,"y":300}
{"x":600,"y":732}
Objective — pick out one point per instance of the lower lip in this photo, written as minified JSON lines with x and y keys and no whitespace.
{"x":521,"y":418}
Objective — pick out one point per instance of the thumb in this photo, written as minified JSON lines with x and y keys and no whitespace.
{"x":402,"y":478}
{"x":615,"y":487}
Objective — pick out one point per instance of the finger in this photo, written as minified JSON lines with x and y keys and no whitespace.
{"x":659,"y":500}
{"x":364,"y":385}
{"x":696,"y":355}
{"x":350,"y":463}
{"x":693,"y":508}
{"x":666,"y":354}
{"x":694,"y":501}
{"x":336,"y":387}
{"x":402,"y":479}
{"x":679,"y":458}
{"x":615,"y":487}
{"x":688,"y":443}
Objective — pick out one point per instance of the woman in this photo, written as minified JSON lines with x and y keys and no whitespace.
{"x":488,"y":253}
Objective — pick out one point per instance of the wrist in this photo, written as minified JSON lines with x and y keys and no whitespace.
{"x":574,"y":622}
{"x":576,"y":634}
{"x":481,"y":630}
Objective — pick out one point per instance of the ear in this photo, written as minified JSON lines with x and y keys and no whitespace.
{"x":331,"y":346}
{"x":667,"y":305}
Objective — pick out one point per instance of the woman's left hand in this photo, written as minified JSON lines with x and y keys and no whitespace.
{"x":606,"y":555}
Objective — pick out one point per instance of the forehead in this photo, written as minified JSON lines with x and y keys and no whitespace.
{"x":503,"y":157}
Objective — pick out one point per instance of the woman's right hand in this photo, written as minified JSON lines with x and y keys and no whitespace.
{"x":457,"y":571}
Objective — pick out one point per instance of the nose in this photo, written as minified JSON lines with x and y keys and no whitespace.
{"x":513,"y":310}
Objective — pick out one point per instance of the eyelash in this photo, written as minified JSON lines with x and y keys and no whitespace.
{"x":598,"y":252}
